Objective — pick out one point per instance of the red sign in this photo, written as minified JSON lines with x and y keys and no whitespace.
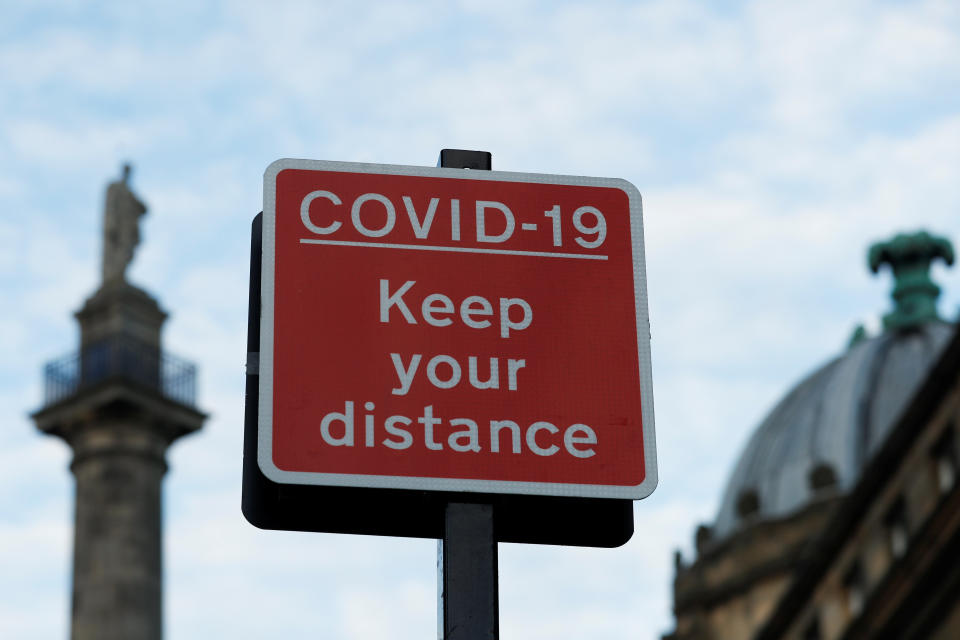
{"x":455,"y":330}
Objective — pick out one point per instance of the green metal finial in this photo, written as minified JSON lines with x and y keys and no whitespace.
{"x":859,"y":335}
{"x":914,"y":293}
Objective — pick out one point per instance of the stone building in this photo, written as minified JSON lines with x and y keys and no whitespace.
{"x":119,"y":402}
{"x":841,"y":518}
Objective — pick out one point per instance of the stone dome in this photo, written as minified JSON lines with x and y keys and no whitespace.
{"x":822,"y":432}
{"x":818,"y":437}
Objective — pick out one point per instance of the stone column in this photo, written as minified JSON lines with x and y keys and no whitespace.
{"x":119,"y":418}
{"x":117,"y":566}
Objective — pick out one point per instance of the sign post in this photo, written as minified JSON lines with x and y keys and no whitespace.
{"x":469,"y":607}
{"x":435,"y":351}
{"x":467,"y":558}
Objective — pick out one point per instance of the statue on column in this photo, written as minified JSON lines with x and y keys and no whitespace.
{"x":121,"y":228}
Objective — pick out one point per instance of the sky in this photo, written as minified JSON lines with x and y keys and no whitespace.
{"x":772,"y":143}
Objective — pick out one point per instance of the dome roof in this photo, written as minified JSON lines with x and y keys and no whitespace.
{"x":827,"y":426}
{"x":825,"y":429}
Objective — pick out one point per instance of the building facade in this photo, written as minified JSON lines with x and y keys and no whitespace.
{"x":851,"y":474}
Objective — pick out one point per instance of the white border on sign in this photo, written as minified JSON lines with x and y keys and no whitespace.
{"x":265,"y":417}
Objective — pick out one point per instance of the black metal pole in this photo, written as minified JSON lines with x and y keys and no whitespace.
{"x":469,"y":597}
{"x":469,"y":607}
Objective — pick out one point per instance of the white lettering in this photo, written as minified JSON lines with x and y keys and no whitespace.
{"x":496,"y":426}
{"x":512,"y":367}
{"x":368,"y":425}
{"x":482,"y":236}
{"x":454,"y":219}
{"x":506,"y":324}
{"x":471,"y":433}
{"x":346,"y":440}
{"x":570,"y":439}
{"x":395,"y":299}
{"x":428,"y":309}
{"x":493,"y":382}
{"x":459,"y":434}
{"x":305,"y":212}
{"x":532,"y":438}
{"x":404,"y":374}
{"x":421,"y":230}
{"x":467,"y":312}
{"x":437,"y":308}
{"x":406,"y":439}
{"x":428,"y":422}
{"x":358,"y":224}
{"x":454,"y":372}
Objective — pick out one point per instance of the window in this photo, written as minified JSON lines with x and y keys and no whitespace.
{"x":812,"y":631}
{"x":945,"y":462}
{"x":856,"y":591}
{"x":822,"y":477}
{"x":946,"y":474}
{"x":703,"y":536}
{"x":748,"y":504}
{"x":898,"y":533}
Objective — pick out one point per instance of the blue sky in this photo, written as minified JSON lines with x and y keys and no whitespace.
{"x":772,"y":142}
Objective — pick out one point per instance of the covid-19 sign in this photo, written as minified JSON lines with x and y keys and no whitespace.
{"x":453,"y":330}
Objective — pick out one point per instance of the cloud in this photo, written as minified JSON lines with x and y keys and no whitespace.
{"x":825,"y":64}
{"x":211,"y":550}
{"x":35,"y":552}
{"x":68,"y":144}
{"x":771,"y":142}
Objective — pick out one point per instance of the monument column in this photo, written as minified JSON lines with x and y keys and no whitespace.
{"x":119,"y":402}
